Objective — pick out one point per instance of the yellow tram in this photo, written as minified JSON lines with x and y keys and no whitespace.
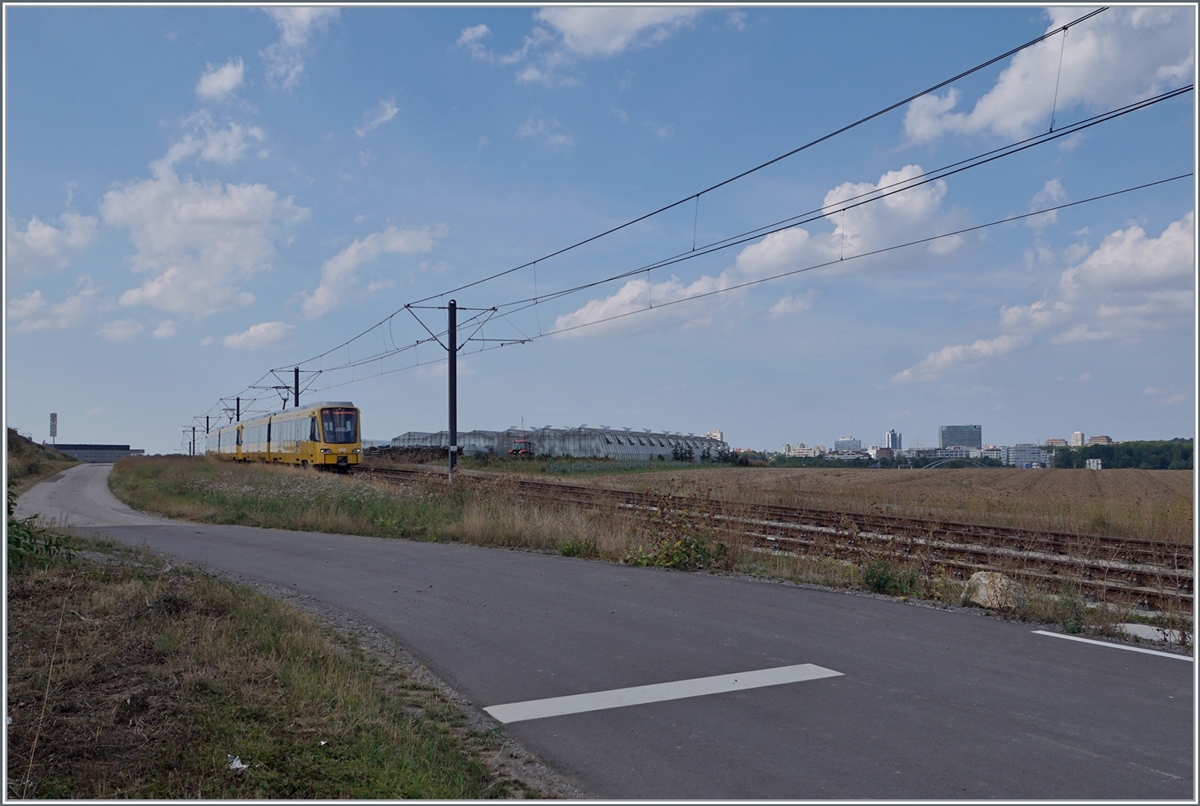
{"x":323,"y":435}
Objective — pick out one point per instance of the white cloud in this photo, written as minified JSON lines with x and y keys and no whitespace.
{"x":207,"y":340}
{"x":165,"y":329}
{"x":41,"y":247}
{"x":120,"y":330}
{"x":198,"y":241}
{"x":1127,"y":287}
{"x":222,"y":145}
{"x":376,"y":116}
{"x":218,"y":83}
{"x":549,"y":132}
{"x":1052,"y":194}
{"x":610,"y":314}
{"x":32,"y":312}
{"x":606,"y":31}
{"x":792,"y":303}
{"x":565,"y":34}
{"x":226,"y":146}
{"x":261,"y":335}
{"x":891,"y":220}
{"x":339,"y":275}
{"x":471,"y":39}
{"x":1167,"y":397}
{"x":1128,"y":259}
{"x":1114,"y":58}
{"x":961,"y":356}
{"x":285,"y":58}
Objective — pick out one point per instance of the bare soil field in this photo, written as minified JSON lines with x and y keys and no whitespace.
{"x":1152,"y":504}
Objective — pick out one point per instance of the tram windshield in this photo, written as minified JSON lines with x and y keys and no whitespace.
{"x":339,"y":426}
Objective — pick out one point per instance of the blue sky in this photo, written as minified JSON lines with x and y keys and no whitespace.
{"x":197,"y":196}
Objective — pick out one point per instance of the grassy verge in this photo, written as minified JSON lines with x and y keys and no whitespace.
{"x":206,"y":490}
{"x":28,"y":463}
{"x":131,"y":679}
{"x":493,"y":515}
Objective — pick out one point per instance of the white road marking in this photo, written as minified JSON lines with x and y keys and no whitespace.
{"x":1116,"y":646}
{"x":658,"y":692}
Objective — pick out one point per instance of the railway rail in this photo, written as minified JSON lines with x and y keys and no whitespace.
{"x":1155,"y":574}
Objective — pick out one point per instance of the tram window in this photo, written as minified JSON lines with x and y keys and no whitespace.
{"x":340,"y":426}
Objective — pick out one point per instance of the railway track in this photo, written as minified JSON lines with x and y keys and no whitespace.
{"x":1155,"y":574}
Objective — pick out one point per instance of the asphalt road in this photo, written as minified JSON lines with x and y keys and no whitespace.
{"x":927,"y":703}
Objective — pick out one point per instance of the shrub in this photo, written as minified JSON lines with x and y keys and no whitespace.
{"x":28,"y":545}
{"x":1069,"y":610}
{"x":681,"y":544}
{"x":881,"y":577}
{"x":576,"y":547}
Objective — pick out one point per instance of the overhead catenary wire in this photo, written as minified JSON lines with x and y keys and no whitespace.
{"x":874,"y":195}
{"x":825,"y":264}
{"x":1058,"y":78}
{"x":871,"y":196}
{"x":917,"y":242}
{"x":783,"y":156}
{"x":859,"y":122}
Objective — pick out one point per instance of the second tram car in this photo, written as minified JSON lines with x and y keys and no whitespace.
{"x":323,"y":435}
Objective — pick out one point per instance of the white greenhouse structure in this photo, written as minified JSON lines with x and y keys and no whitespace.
{"x":602,"y":442}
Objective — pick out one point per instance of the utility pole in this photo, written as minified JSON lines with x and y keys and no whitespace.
{"x":193,"y":440}
{"x":297,"y":388}
{"x":452,"y":366}
{"x":238,"y":411}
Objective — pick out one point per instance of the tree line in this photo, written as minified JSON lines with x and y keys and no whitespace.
{"x":1163,"y":454}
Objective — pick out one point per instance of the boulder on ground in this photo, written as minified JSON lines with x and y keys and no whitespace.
{"x":993,"y":590}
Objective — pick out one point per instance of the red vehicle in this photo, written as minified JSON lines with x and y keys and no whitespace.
{"x":521,"y":447}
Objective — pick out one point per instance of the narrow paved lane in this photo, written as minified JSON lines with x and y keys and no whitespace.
{"x":917,"y":703}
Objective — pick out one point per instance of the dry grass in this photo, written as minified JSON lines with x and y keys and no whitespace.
{"x":28,"y":463}
{"x":497,"y":517}
{"x":1153,"y":504}
{"x":131,"y":680}
{"x":280,"y":497}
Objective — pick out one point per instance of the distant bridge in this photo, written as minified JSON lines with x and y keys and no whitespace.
{"x":944,"y":462}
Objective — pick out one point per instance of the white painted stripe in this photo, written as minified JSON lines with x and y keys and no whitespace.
{"x":1111,"y":645}
{"x":658,"y":692}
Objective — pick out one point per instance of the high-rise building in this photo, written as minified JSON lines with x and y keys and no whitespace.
{"x":1025,"y":454}
{"x":1077,"y":439}
{"x":892,"y":440}
{"x":847,"y":444}
{"x":964,"y":436}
